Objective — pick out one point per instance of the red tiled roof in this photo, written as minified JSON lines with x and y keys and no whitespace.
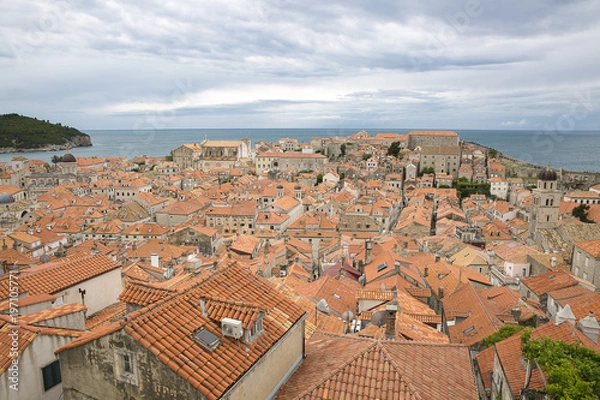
{"x":339,"y":367}
{"x":52,"y":277}
{"x":165,"y":329}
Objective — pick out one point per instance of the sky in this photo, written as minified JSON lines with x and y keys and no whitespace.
{"x":473,"y":64}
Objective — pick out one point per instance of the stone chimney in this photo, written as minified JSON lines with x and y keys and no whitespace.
{"x":426,"y":272}
{"x":565,"y":315}
{"x":154,"y":260}
{"x":391,"y":309}
{"x":441,"y":292}
{"x":368,"y":251}
{"x":279,"y":191}
{"x":590,"y":327}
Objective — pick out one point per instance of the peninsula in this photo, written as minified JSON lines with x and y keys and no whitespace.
{"x":19,"y":133}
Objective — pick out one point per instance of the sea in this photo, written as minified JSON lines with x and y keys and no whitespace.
{"x":571,"y":150}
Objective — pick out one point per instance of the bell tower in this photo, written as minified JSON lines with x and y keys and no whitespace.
{"x":544,"y":207}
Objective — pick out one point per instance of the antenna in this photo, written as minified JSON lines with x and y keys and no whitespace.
{"x":378,"y":318}
{"x":323,"y":307}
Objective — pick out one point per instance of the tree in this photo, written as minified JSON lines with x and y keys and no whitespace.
{"x":581,"y":212}
{"x":492,"y":153}
{"x":366,"y":156}
{"x":572,"y":369}
{"x":319,"y":179}
{"x":56,"y":159}
{"x":501,"y":334}
{"x":427,"y":170}
{"x":394,"y":149}
{"x":343,"y":149}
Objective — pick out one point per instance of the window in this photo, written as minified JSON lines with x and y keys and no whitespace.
{"x":126,"y":367}
{"x":51,"y":375}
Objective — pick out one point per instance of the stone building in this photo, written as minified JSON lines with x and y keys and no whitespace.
{"x":443,"y":159}
{"x":432,"y":138}
{"x":586,"y":261}
{"x":546,"y":201}
{"x":290,"y":160}
{"x":212,"y":154}
{"x":229,"y":336}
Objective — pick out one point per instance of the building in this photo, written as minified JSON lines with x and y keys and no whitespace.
{"x":546,"y":201}
{"x":432,"y":138}
{"x":212,"y":154}
{"x":230,"y":335}
{"x":498,"y":187}
{"x":586,"y":261}
{"x":443,"y":159}
{"x":290,"y":160}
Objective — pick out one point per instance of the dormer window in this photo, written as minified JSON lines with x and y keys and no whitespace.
{"x":257,"y":329}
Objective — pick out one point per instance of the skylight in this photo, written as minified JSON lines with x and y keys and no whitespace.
{"x":206,"y":339}
{"x":469,"y":329}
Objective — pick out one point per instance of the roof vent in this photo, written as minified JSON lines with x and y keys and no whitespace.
{"x":232,"y":328}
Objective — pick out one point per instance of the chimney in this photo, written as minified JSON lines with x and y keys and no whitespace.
{"x":441,"y":292}
{"x":553,"y":262}
{"x":437,"y":258}
{"x":590,"y":327}
{"x":390,"y":321}
{"x":368,"y":251}
{"x":154,"y":260}
{"x":565,"y":315}
{"x":516,"y":313}
{"x":426,"y":272}
{"x":203,"y":306}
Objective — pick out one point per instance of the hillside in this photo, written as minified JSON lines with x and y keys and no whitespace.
{"x":19,"y":133}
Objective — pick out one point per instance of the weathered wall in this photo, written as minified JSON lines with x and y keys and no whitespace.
{"x":88,"y":371}
{"x":264,"y":379}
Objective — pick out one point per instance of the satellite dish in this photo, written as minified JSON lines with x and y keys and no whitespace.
{"x":323,"y":307}
{"x":347,"y":316}
{"x":378,"y":318}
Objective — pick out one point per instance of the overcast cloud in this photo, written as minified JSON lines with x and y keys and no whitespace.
{"x":522,"y":64}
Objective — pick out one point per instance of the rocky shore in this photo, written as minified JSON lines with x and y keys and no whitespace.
{"x":77,"y":141}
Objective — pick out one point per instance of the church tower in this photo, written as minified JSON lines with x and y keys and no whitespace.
{"x":546,"y":200}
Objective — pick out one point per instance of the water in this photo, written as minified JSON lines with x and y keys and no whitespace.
{"x":576,"y":151}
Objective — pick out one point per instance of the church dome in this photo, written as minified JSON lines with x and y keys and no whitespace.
{"x":297,"y":187}
{"x":547,"y":174}
{"x":68,"y":158}
{"x":6,"y":198}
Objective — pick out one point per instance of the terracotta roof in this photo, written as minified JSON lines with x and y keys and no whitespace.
{"x":479,"y":319}
{"x":591,"y":247}
{"x":142,"y":294}
{"x":339,"y":367}
{"x":51,"y":313}
{"x":106,"y":316}
{"x":549,"y":281}
{"x":52,"y":277}
{"x":165,"y":329}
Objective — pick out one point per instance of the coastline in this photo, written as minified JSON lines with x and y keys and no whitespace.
{"x":52,"y":147}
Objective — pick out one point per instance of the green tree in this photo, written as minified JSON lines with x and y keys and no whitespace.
{"x":572,"y":369}
{"x":56,"y":159}
{"x":394,"y":149}
{"x":581,"y":212}
{"x":319,"y":179}
{"x":501,"y":334}
{"x":427,"y":170}
{"x":492,"y":153}
{"x":367,"y":156}
{"x":343,"y":149}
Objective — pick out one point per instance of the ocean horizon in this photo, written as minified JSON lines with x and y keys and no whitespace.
{"x":573,"y":150}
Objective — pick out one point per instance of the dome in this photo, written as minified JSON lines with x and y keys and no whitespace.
{"x":6,"y":198}
{"x":547,"y":174}
{"x":297,"y":187}
{"x":68,"y":158}
{"x":280,"y":186}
